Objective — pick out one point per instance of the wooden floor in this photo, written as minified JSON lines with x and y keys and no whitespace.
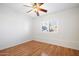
{"x":35,"y":48}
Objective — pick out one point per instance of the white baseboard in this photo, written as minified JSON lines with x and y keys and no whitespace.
{"x":63,"y":44}
{"x":9,"y":46}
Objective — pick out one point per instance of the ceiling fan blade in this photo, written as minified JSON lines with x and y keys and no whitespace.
{"x":43,"y":10}
{"x":37,"y":13}
{"x":27,"y":6}
{"x":29,"y":11}
{"x":40,"y":4}
{"x":34,"y":4}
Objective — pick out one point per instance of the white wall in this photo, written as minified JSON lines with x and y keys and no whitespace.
{"x":68,"y":33}
{"x":15,"y":28}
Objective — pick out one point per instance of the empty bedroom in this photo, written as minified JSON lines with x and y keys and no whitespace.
{"x":39,"y":29}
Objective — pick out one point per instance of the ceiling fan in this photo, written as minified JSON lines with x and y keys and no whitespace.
{"x":36,"y":7}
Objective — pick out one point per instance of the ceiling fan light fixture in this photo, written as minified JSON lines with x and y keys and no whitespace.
{"x":37,"y":7}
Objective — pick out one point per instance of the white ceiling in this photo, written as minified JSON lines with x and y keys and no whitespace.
{"x":51,"y":7}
